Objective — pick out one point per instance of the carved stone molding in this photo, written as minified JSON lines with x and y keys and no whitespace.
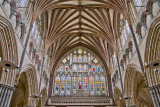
{"x":80,"y":101}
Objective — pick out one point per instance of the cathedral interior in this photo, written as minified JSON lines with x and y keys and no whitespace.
{"x":79,"y":53}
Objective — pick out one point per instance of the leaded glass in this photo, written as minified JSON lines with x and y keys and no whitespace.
{"x":74,"y":85}
{"x":57,"y":80}
{"x":62,"y":85}
{"x":103,"y":86}
{"x":98,"y":68}
{"x":68,"y":85}
{"x":80,"y":74}
{"x":97,"y":84}
{"x":91,"y":79}
{"x":79,"y":58}
{"x":74,"y":58}
{"x":85,"y":85}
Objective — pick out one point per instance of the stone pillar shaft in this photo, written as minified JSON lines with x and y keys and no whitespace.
{"x":5,"y":95}
{"x":155,"y":93}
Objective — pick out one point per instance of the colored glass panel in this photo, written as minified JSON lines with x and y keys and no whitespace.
{"x":67,"y":68}
{"x":79,"y":58}
{"x":80,"y":82}
{"x":85,"y":85}
{"x":74,"y":85}
{"x":97,"y":85}
{"x":91,"y":79}
{"x":98,"y":68}
{"x":85,"y":58}
{"x":68,"y":85}
{"x":103,"y":86}
{"x":61,"y":68}
{"x":85,"y":68}
{"x":74,"y":58}
{"x":62,"y":85}
{"x":93,"y":68}
{"x":74,"y":68}
{"x":57,"y":80}
{"x":80,"y":68}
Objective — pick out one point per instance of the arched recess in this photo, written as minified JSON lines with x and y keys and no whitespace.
{"x":8,"y":50}
{"x":152,"y":52}
{"x":135,"y":86}
{"x":118,"y":97}
{"x":81,"y":74}
{"x":27,"y":85}
{"x":43,"y":99}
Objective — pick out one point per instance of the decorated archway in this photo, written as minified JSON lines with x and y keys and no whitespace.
{"x":152,"y":53}
{"x":135,"y":86}
{"x":8,"y":52}
{"x":118,"y":97}
{"x":26,"y":87}
{"x":80,"y":76}
{"x":43,"y":98}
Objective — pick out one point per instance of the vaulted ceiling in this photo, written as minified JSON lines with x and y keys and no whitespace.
{"x":85,"y":23}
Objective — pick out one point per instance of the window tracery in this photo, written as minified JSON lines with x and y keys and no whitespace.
{"x":80,"y":74}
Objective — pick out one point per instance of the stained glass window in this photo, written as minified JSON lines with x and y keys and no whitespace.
{"x":68,"y":85}
{"x":85,"y":85}
{"x":62,"y":85}
{"x":85,"y":58}
{"x":57,"y":80}
{"x":98,"y":68}
{"x":61,"y":68}
{"x":85,"y":67}
{"x":74,"y":58}
{"x":74,"y":68}
{"x":67,"y":67}
{"x":91,"y":79}
{"x":80,"y":68}
{"x":74,"y":85}
{"x":79,"y":58}
{"x":80,"y":82}
{"x":80,"y":73}
{"x":93,"y":68}
{"x":97,"y":85}
{"x":103,"y":86}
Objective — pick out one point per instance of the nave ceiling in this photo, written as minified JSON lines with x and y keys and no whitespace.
{"x":88,"y":23}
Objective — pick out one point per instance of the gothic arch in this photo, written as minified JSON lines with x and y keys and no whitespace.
{"x":117,"y":97}
{"x":27,"y":85}
{"x":134,"y":85}
{"x":152,"y":51}
{"x":9,"y":51}
{"x":43,"y":98}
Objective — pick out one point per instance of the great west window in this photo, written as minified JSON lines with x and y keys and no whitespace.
{"x":80,"y":73}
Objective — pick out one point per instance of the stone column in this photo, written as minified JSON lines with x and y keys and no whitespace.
{"x":155,"y":93}
{"x":5,"y":95}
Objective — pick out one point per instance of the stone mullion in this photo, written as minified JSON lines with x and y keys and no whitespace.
{"x":53,"y":86}
{"x":106,"y":86}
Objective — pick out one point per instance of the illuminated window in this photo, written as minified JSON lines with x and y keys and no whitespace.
{"x":80,"y":73}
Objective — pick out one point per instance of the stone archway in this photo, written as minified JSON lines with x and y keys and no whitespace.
{"x":135,"y":86}
{"x":152,"y":53}
{"x":43,"y":99}
{"x":8,"y":51}
{"x":118,"y":97}
{"x":27,"y":85}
